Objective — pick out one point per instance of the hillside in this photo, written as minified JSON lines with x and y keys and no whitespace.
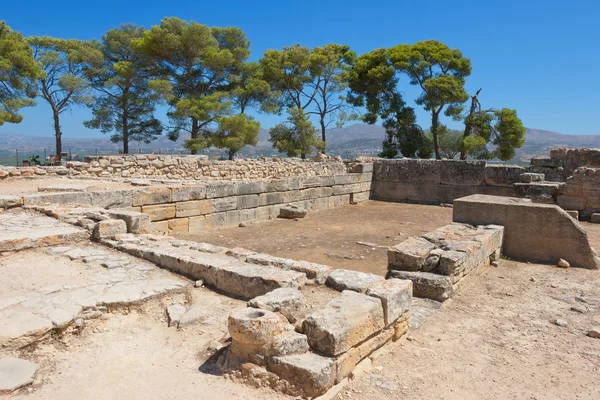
{"x":358,"y":139}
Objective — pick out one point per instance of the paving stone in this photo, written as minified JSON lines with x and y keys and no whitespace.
{"x":288,"y":301}
{"x":192,"y":316}
{"x":344,"y":322}
{"x":174,"y":313}
{"x":344,"y":279}
{"x":20,"y":328}
{"x":310,"y":373}
{"x":16,"y":373}
{"x":395,"y":296}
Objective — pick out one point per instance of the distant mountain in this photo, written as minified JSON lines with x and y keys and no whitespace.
{"x":351,"y":141}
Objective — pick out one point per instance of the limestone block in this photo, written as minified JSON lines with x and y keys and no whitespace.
{"x":359,"y":197}
{"x":410,"y":255}
{"x":344,"y":279}
{"x":178,"y":225}
{"x":347,"y":189}
{"x":502,"y":175}
{"x":407,"y":171}
{"x":188,"y":193}
{"x":159,"y":228}
{"x":7,"y":201}
{"x":347,"y":361}
{"x":58,"y":198}
{"x":282,"y":185}
{"x":288,"y":301}
{"x":289,"y":342}
{"x":215,"y":220}
{"x":427,"y":285}
{"x":292,"y":212}
{"x":529,"y":177}
{"x":532,"y":232}
{"x":247,"y":201}
{"x":310,"y":373}
{"x":574,"y":214}
{"x":343,"y":323}
{"x":217,"y":189}
{"x":539,"y":192}
{"x":225,"y":204}
{"x":194,"y":208}
{"x":137,"y":222}
{"x":196,"y":224}
{"x":265,"y":199}
{"x":318,"y":272}
{"x":251,"y":187}
{"x":160,"y":212}
{"x":395,"y":296}
{"x":568,"y":202}
{"x":109,"y":228}
{"x":16,"y":373}
{"x":151,"y":196}
{"x":595,"y":218}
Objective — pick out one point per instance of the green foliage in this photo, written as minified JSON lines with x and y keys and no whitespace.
{"x":253,"y":91}
{"x":235,"y":132}
{"x":373,"y":84}
{"x":34,"y":160}
{"x":64,"y":83}
{"x":440,"y":72}
{"x":451,"y":141}
{"x":196,"y":68}
{"x":296,"y":136}
{"x":18,"y":70}
{"x":124,"y":102}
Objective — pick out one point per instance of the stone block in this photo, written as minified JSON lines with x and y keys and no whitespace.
{"x":532,"y":232}
{"x":425,"y":284}
{"x":81,"y":198}
{"x":251,"y":187}
{"x":287,"y":343}
{"x":7,"y":201}
{"x":595,"y":219}
{"x":502,"y":174}
{"x":216,"y":189}
{"x":360,"y":168}
{"x":159,"y":228}
{"x":194,"y":208}
{"x":359,"y":197}
{"x":215,"y":220}
{"x":574,"y":214}
{"x":344,"y":322}
{"x":344,"y":279}
{"x":317,"y":272}
{"x":112,"y":199}
{"x":462,"y":173}
{"x":395,"y":296}
{"x":288,"y":301}
{"x":412,"y":255}
{"x":309,"y":373}
{"x":539,"y":192}
{"x":335,"y":201}
{"x":407,"y":171}
{"x":160,"y":212}
{"x":197,"y":224}
{"x":178,"y":225}
{"x":224,"y":204}
{"x":292,"y":212}
{"x":347,"y":189}
{"x":188,"y":193}
{"x":247,"y":201}
{"x":137,"y":222}
{"x":15,"y":373}
{"x":529,"y":177}
{"x":350,"y":359}
{"x":568,"y":202}
{"x":283,"y":185}
{"x":109,"y":228}
{"x":151,"y":196}
{"x":265,"y":199}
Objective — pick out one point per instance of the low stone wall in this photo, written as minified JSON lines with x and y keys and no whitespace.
{"x":188,"y":167}
{"x":581,"y":192}
{"x":562,"y":162}
{"x":532,"y":232}
{"x":440,"y":181}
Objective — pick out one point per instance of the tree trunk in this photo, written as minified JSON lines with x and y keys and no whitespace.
{"x":125,"y":134}
{"x":322,"y":121}
{"x":195,"y":133}
{"x":468,"y":123}
{"x":57,"y":134}
{"x":231,"y":153}
{"x":303,"y":156}
{"x":435,"y":122}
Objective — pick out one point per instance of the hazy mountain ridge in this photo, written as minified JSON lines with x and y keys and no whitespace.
{"x":358,"y":139}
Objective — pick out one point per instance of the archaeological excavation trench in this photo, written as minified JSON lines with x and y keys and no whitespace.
{"x":118,"y":232}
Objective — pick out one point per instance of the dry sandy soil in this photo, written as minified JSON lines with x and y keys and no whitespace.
{"x":495,"y":340}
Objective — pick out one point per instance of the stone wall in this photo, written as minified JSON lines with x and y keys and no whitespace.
{"x":188,"y":167}
{"x":440,"y":181}
{"x":581,"y":192}
{"x":563,"y":162}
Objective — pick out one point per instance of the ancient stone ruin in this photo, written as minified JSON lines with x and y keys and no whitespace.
{"x":306,"y":328}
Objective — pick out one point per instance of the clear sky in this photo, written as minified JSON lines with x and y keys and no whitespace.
{"x":539,"y":57}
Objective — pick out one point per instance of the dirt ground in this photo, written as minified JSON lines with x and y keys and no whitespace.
{"x":30,"y":185}
{"x":331,"y":236}
{"x":495,"y":340}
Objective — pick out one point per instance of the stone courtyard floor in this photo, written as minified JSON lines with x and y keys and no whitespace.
{"x":496,"y":339}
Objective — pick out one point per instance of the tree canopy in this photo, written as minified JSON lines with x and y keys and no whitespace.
{"x":296,"y":136}
{"x":124,"y":103}
{"x":18,"y":70}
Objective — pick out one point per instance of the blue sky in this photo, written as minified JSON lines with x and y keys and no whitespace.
{"x":539,"y":57}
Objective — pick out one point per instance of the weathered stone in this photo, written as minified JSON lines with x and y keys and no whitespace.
{"x":574,"y":214}
{"x":160,"y":212}
{"x":344,"y":279}
{"x":63,"y":187}
{"x":595,"y":219}
{"x":247,"y":201}
{"x":563,"y":264}
{"x":194,"y":208}
{"x":192,"y":316}
{"x":318,"y":272}
{"x":188,"y":193}
{"x":15,"y":373}
{"x":178,"y":225}
{"x":58,"y":198}
{"x":20,"y":328}
{"x":292,"y":212}
{"x":502,"y":174}
{"x":289,"y":342}
{"x":529,"y":177}
{"x":112,"y":199}
{"x":309,"y":373}
{"x":287,"y":301}
{"x":7,"y":201}
{"x":410,"y":255}
{"x":395,"y":296}
{"x":109,"y":228}
{"x":426,"y":284}
{"x":174,"y":313}
{"x":151,"y":196}
{"x":137,"y":222}
{"x":344,"y":322}
{"x":594,"y":333}
{"x":532,"y":232}
{"x":347,"y":361}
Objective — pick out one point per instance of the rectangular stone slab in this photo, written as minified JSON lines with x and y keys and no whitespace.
{"x":309,"y":373}
{"x":343,"y":323}
{"x":395,"y":296}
